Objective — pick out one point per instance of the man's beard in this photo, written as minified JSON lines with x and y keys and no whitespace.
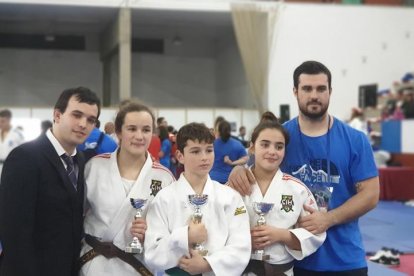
{"x":314,"y":115}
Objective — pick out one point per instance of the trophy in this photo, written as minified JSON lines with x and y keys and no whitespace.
{"x":261,"y":208}
{"x":135,"y":247}
{"x":197,"y":201}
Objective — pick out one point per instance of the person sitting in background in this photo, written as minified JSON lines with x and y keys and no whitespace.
{"x":392,"y":109}
{"x":228,"y":152}
{"x":408,"y":104}
{"x":97,"y":143}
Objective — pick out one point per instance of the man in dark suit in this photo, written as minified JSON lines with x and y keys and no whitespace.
{"x":41,"y":193}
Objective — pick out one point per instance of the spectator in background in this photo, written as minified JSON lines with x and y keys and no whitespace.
{"x":172,"y":132}
{"x":408,"y":104}
{"x":357,"y":120}
{"x":155,"y":146}
{"x":165,"y":152}
{"x":109,"y":129}
{"x":392,"y":110}
{"x":9,"y":137}
{"x":162,"y":122}
{"x":228,"y":152}
{"x":241,"y":136}
{"x":45,"y":125}
{"x":97,"y":143}
{"x":217,"y":122}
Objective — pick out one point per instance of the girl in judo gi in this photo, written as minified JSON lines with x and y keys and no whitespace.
{"x":112,"y":180}
{"x":181,"y":242}
{"x":281,"y":241}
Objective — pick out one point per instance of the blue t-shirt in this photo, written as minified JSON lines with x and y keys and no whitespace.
{"x":234,"y":149}
{"x":350,"y":159}
{"x":107,"y":144}
{"x":166,"y":149}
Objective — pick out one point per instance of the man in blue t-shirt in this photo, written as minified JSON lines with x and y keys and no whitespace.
{"x":337,"y":164}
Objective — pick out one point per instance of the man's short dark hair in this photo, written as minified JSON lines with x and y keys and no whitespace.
{"x":5,"y":113}
{"x":194,"y":132}
{"x":82,"y":94}
{"x":311,"y":67}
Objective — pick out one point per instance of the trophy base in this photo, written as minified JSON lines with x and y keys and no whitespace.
{"x":260,"y":256}
{"x":133,"y":250}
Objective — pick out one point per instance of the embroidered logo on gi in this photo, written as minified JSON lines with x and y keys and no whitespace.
{"x":155,"y":187}
{"x":287,"y":203}
{"x":239,"y":211}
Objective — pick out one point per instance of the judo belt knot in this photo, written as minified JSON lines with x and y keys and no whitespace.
{"x":109,"y":250}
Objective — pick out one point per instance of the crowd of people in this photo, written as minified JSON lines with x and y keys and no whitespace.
{"x":295,"y":206}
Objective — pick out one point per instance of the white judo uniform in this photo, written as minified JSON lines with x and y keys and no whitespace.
{"x":224,"y":216}
{"x":13,"y":139}
{"x":288,"y":195}
{"x":109,"y":213}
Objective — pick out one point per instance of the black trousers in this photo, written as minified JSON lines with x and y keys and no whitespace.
{"x":355,"y":272}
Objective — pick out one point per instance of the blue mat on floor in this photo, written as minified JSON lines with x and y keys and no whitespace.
{"x":390,"y":224}
{"x":378,"y":269}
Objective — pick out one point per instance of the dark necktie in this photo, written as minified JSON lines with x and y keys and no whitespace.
{"x":70,"y":169}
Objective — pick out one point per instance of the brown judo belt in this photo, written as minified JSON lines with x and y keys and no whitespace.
{"x":109,"y":250}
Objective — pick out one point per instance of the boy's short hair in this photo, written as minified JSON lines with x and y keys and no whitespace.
{"x":194,"y":132}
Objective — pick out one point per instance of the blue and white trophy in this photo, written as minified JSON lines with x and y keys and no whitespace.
{"x":197,"y":201}
{"x":261,"y":208}
{"x":135,"y":247}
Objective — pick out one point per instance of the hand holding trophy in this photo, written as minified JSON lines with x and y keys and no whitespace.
{"x":261,"y":208}
{"x":197,"y":201}
{"x":135,"y":247}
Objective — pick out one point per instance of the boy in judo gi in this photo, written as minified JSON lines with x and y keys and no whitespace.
{"x":213,"y":239}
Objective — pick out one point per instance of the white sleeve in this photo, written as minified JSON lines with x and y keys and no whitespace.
{"x":162,"y":248}
{"x":233,"y":258}
{"x":308,"y":241}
